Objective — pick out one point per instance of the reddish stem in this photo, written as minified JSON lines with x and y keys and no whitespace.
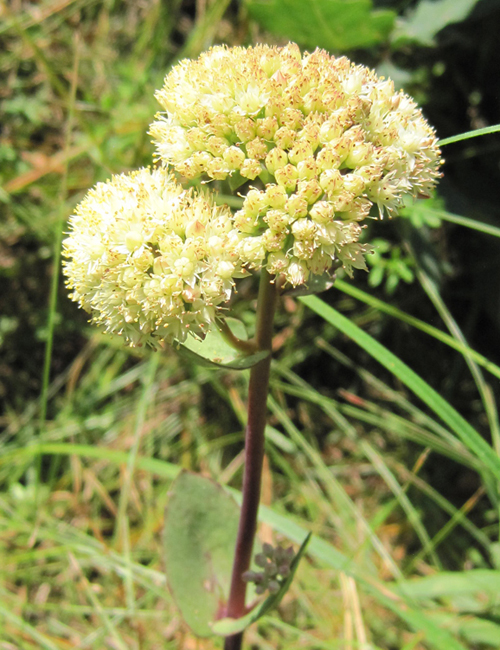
{"x":254,"y":454}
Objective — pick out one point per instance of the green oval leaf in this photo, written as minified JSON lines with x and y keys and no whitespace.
{"x":229,"y":626}
{"x":201,"y":523}
{"x":215,"y":352}
{"x":335,"y":25}
{"x":428,"y":18}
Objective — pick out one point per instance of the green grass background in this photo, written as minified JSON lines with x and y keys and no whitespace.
{"x":383,"y":437}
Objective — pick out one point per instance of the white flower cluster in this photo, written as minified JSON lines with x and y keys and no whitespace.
{"x":324,"y":140}
{"x":150,"y":260}
{"x":329,"y":138}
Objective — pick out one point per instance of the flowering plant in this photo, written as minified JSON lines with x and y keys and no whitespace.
{"x":315,"y":145}
{"x":151,"y":260}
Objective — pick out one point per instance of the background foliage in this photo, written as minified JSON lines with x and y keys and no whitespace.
{"x":403,"y":500}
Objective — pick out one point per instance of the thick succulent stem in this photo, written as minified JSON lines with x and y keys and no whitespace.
{"x":254,"y":454}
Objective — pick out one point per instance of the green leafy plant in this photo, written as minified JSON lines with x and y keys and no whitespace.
{"x":389,"y":263}
{"x":323,"y":141}
{"x":400,"y":495}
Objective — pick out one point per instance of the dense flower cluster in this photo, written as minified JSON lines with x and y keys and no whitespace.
{"x":150,"y":260}
{"x":326,"y":144}
{"x":329,"y":139}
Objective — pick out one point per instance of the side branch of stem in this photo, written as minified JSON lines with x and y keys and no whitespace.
{"x":247,"y":347}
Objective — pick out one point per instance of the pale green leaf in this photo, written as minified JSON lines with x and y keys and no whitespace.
{"x":429,"y":18}
{"x":335,"y":25}
{"x":455,"y":583}
{"x":201,"y":523}
{"x":215,"y":351}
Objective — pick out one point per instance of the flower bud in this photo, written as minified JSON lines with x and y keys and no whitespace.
{"x":310,"y":134}
{"x":277,"y":220}
{"x":287,"y":177}
{"x":331,"y":181}
{"x":328,"y":159}
{"x":190,"y":294}
{"x":307,"y":169}
{"x":293,"y":118}
{"x":310,"y":190}
{"x":255,"y":202}
{"x":285,"y":137}
{"x":225,"y":270}
{"x":133,"y":240}
{"x":201,"y":160}
{"x":245,"y":129}
{"x":252,"y":250}
{"x":276,"y":159}
{"x":194,"y":228}
{"x":300,"y":152}
{"x":303,"y":229}
{"x":273,"y":241}
{"x":218,"y":169}
{"x":322,"y":212}
{"x":234,"y":157}
{"x":296,"y":206}
{"x":330,"y":130}
{"x":245,"y":223}
{"x":277,"y":263}
{"x":267,"y":127}
{"x":251,"y":168}
{"x":354,"y":183}
{"x":297,"y":273}
{"x":216,"y":146}
{"x":197,"y":138}
{"x":342,"y":201}
{"x":360,"y":154}
{"x":257,"y":149}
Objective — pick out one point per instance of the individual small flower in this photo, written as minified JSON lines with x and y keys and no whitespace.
{"x":331,"y":139}
{"x":150,"y":260}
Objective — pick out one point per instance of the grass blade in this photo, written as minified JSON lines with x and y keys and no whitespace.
{"x":486,"y":228}
{"x":469,"y":436}
{"x":470,"y":134}
{"x":484,"y":390}
{"x":320,"y":549}
{"x":335,"y":490}
{"x":144,"y":402}
{"x":331,"y":409}
{"x":28,"y":630}
{"x":421,"y":325}
{"x":58,"y":241}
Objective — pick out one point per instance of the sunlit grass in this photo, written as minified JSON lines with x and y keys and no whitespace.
{"x":393,"y":563}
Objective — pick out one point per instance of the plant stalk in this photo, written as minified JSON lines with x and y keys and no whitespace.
{"x":254,"y":454}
